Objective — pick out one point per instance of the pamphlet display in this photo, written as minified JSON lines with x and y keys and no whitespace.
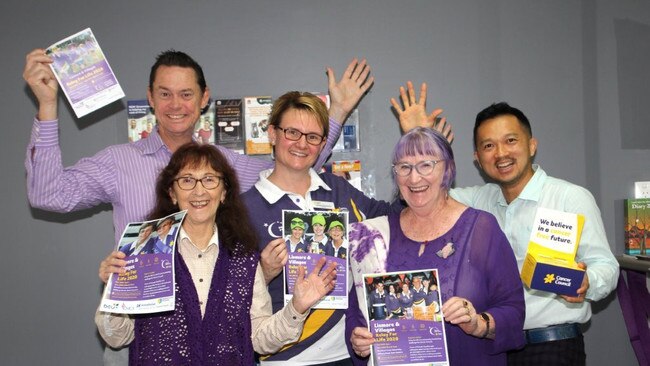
{"x":204,"y":127}
{"x":256,"y":115}
{"x":141,"y":121}
{"x":229,"y":126}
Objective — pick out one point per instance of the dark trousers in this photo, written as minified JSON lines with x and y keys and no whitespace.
{"x":567,"y":352}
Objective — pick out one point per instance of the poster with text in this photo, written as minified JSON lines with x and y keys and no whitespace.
{"x":256,"y":116}
{"x":309,"y":236}
{"x":83,"y":72}
{"x":204,"y":127}
{"x":141,"y":121}
{"x":405,"y":318}
{"x":147,"y":286}
{"x":229,"y":125}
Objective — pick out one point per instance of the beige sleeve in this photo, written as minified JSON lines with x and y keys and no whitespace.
{"x":117,"y":330}
{"x":272,"y":331}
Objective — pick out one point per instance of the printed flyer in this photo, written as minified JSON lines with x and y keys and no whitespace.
{"x":405,"y":318}
{"x":204,"y":127}
{"x":83,"y":72}
{"x":256,"y":115}
{"x":311,"y":235}
{"x":147,"y":286}
{"x":229,"y":126}
{"x":349,"y":139}
{"x":140,"y":119}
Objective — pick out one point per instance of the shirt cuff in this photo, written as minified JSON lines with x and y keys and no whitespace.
{"x":292,"y":316}
{"x":45,"y":133}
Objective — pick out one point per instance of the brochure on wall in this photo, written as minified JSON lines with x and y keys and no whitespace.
{"x":348,"y":169}
{"x":311,"y":235}
{"x":147,"y":286}
{"x":83,"y":72}
{"x":349,"y":139}
{"x":140,"y":119}
{"x":229,"y":126}
{"x":256,"y":116}
{"x":637,"y":220}
{"x":204,"y":127}
{"x":405,"y":318}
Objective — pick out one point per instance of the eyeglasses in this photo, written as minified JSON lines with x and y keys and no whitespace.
{"x":424,"y":168}
{"x":208,"y":182}
{"x":294,"y":135}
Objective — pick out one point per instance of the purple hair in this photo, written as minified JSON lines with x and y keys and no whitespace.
{"x":426,"y":141}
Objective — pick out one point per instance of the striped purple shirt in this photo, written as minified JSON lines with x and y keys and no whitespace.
{"x":122,"y":175}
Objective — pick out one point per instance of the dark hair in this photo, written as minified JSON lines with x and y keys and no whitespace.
{"x":302,"y":101}
{"x":426,"y":141}
{"x":501,"y":109}
{"x":232,"y":219}
{"x":180,"y":59}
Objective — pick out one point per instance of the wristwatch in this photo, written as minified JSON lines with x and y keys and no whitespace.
{"x":487,"y":324}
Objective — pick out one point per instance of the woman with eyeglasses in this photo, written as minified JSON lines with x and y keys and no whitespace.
{"x":298,"y":128}
{"x":483,"y":301}
{"x":223,"y":309}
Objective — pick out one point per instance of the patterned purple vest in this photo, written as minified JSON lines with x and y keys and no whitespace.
{"x":222,"y":337}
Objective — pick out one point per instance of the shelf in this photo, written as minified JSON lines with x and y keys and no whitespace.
{"x":633,"y":263}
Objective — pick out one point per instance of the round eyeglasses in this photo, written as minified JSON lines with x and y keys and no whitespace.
{"x":208,"y":182}
{"x":294,"y":135}
{"x":424,"y":168}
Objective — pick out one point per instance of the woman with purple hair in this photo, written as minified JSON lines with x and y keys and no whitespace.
{"x":483,"y":301}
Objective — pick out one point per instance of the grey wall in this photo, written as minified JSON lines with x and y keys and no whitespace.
{"x":568,"y":64}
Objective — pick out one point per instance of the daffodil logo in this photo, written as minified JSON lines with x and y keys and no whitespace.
{"x":549,"y":278}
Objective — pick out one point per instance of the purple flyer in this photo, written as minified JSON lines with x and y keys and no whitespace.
{"x":147,"y":286}
{"x":83,"y":72}
{"x":405,"y":318}
{"x":310,"y":236}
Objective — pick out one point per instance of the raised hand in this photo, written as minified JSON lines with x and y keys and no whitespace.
{"x":346,"y":93}
{"x":414,"y":113}
{"x":308,"y":291}
{"x":42,"y":82}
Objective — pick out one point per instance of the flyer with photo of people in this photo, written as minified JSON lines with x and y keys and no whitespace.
{"x":309,"y":236}
{"x":83,"y":72}
{"x":147,"y":286}
{"x":405,"y":318}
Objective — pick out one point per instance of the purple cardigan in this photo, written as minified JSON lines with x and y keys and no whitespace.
{"x":222,"y":337}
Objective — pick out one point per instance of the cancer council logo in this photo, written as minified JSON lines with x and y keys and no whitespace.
{"x":549,"y":278}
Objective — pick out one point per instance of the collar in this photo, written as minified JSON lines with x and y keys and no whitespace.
{"x":152,"y":143}
{"x":273,"y":193}
{"x":214,"y":240}
{"x":533,"y":189}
